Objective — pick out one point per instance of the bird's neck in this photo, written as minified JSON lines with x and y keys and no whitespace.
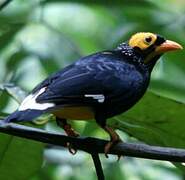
{"x":136,"y":57}
{"x":131,"y":56}
{"x":152,"y":63}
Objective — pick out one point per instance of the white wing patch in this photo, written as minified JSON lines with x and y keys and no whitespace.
{"x":30,"y":102}
{"x":99,"y":97}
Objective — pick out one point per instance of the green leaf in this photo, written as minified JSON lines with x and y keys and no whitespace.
{"x":17,"y":153}
{"x":15,"y":60}
{"x":19,"y":158}
{"x":3,"y":115}
{"x":16,"y":92}
{"x":49,"y":65}
{"x":155,"y":120}
{"x":8,"y":33}
{"x":4,"y":99}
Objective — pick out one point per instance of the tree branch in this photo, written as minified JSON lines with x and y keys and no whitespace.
{"x":98,"y":166}
{"x":4,"y":4}
{"x":94,"y":145}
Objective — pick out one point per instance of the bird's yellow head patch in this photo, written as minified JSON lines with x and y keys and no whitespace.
{"x":142,"y":40}
{"x":151,"y":45}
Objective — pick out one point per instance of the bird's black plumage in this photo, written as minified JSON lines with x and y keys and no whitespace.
{"x":111,"y":73}
{"x":120,"y":75}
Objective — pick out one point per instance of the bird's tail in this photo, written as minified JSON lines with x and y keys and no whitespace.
{"x":27,"y":115}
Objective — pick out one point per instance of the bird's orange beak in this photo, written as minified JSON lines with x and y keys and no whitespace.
{"x":168,"y":46}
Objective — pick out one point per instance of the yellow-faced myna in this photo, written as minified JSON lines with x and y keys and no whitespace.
{"x":98,"y":86}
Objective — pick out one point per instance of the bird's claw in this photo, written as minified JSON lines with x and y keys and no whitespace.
{"x":108,"y":147}
{"x":72,"y":133}
{"x":71,"y":149}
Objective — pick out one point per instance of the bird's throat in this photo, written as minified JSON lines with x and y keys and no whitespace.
{"x":151,"y":63}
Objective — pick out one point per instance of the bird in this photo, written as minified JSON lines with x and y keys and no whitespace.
{"x":98,"y":86}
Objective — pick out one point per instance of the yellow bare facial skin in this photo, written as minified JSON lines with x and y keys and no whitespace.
{"x":142,"y":40}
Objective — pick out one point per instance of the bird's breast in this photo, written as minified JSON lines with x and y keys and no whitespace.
{"x":75,"y":113}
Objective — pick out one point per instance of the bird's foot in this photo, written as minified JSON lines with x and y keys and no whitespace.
{"x":69,"y":131}
{"x":71,"y":149}
{"x":109,"y":145}
{"x":114,"y":140}
{"x":72,"y":133}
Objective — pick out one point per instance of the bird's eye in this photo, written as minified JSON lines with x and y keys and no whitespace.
{"x":148,"y":40}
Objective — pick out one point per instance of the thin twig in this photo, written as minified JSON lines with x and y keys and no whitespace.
{"x":98,"y":166}
{"x":4,"y":4}
{"x":94,"y":145}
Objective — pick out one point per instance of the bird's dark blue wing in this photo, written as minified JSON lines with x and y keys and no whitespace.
{"x":94,"y":75}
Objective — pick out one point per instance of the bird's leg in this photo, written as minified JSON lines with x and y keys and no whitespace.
{"x":114,"y":139}
{"x":69,"y":131}
{"x":67,"y":127}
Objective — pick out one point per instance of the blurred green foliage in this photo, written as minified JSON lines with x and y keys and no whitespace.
{"x":41,"y":37}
